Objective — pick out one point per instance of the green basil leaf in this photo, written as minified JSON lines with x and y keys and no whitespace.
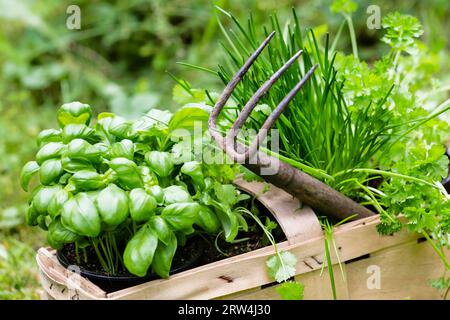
{"x":50,"y":150}
{"x":120,"y":128}
{"x":181,"y":215}
{"x":185,"y":119}
{"x":80,"y":216}
{"x":86,"y":180}
{"x":142,"y":205}
{"x":83,"y":150}
{"x":42,"y":222}
{"x":57,"y":235}
{"x":79,"y":131}
{"x":57,"y":202}
{"x":50,"y":171}
{"x":174,"y":194}
{"x":161,"y":228}
{"x":103,"y":148}
{"x":157,"y":192}
{"x":31,"y":216}
{"x":48,"y":135}
{"x":230,"y":224}
{"x":160,"y":162}
{"x":92,"y":195}
{"x":208,"y":220}
{"x":148,"y":177}
{"x":127,"y":173}
{"x":64,"y":179}
{"x":42,"y":198}
{"x":112,"y":204}
{"x":74,"y":165}
{"x":28,"y":170}
{"x":138,"y":255}
{"x":74,"y":113}
{"x":163,"y":257}
{"x":193,"y":169}
{"x":123,"y":149}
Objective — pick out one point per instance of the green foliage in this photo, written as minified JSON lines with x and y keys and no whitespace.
{"x":344,"y":6}
{"x":401,"y":31}
{"x":291,"y":290}
{"x":282,"y":267}
{"x":129,"y":189}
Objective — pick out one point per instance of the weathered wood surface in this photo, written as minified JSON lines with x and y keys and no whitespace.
{"x":405,"y":265}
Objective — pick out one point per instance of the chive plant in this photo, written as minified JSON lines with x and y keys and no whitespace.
{"x":318,"y":129}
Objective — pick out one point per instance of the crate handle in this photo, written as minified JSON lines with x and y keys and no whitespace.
{"x":299,"y":223}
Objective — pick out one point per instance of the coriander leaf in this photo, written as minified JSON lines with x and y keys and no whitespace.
{"x":291,"y":290}
{"x":281,"y":267}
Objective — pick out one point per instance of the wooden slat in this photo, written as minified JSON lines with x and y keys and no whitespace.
{"x":298,"y":223}
{"x":54,"y":278}
{"x":316,"y":287}
{"x":405,"y":272}
{"x":225,"y":277}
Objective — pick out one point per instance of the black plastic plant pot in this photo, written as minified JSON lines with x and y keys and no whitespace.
{"x":111,"y":283}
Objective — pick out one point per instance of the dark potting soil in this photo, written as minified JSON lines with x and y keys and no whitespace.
{"x":91,"y":264}
{"x":198,"y":250}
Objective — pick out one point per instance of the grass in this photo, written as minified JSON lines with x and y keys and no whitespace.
{"x":18,"y":268}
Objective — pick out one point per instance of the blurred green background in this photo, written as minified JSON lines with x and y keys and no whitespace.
{"x":118,"y":61}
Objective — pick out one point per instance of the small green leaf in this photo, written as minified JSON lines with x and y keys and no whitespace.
{"x":163,"y":257}
{"x":57,"y":202}
{"x":48,"y":135}
{"x":79,"y":131}
{"x":185,"y":119}
{"x":181,"y":215}
{"x":123,"y":149}
{"x":50,"y":171}
{"x":139,"y":252}
{"x":112,"y":204}
{"x":193,"y":169}
{"x":50,"y":150}
{"x":174,"y":194}
{"x":291,"y":290}
{"x":127,"y":173}
{"x":208,"y":220}
{"x":72,"y":165}
{"x":74,"y":113}
{"x":282,"y":267}
{"x":28,"y":170}
{"x":227,"y":193}
{"x":148,"y":177}
{"x":57,"y":235}
{"x":80,"y":149}
{"x":80,"y":216}
{"x":158,"y":193}
{"x":160,"y":162}
{"x":31,"y":216}
{"x":41,"y":199}
{"x":142,"y":205}
{"x":161,"y":228}
{"x":230,"y":224}
{"x":86,"y":180}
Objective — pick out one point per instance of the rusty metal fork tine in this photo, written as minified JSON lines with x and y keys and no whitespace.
{"x":228,"y":143}
{"x":251,"y":104}
{"x":275,"y":115}
{"x":262,"y":133}
{"x":212,"y":122}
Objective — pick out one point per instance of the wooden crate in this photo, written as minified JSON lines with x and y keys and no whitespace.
{"x":402,"y":263}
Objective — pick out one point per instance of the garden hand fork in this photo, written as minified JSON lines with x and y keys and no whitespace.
{"x":307,"y":189}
